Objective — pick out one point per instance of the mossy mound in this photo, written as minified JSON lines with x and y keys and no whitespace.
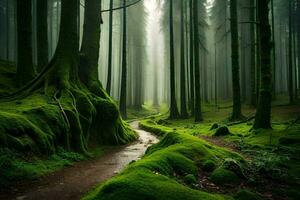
{"x":190,"y":179}
{"x":222,"y":131}
{"x":154,"y":176}
{"x":209,"y":166}
{"x":246,"y":195}
{"x":221,"y":176}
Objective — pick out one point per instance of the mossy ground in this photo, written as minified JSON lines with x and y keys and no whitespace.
{"x":262,"y":165}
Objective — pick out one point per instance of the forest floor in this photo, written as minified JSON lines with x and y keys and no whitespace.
{"x":74,"y":181}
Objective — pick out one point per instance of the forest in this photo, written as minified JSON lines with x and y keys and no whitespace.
{"x":150,"y":99}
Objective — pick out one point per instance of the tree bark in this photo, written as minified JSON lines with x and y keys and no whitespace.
{"x":42,"y":36}
{"x":123,"y":96}
{"x":174,"y":114}
{"x":198,"y":110}
{"x":290,"y":52}
{"x":183,"y":109}
{"x":252,"y":53}
{"x":25,"y":68}
{"x":192,"y":82}
{"x":109,"y":70}
{"x":263,"y":113}
{"x":237,"y":111}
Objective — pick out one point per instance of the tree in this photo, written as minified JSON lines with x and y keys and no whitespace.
{"x":123,"y":96}
{"x":198,"y":110}
{"x":191,"y":59}
{"x":174,"y":114}
{"x":237,"y":110}
{"x":42,"y":37}
{"x":25,"y":68}
{"x":183,"y":109}
{"x":290,"y":48}
{"x":108,"y":85}
{"x":263,"y":113}
{"x":253,"y":99}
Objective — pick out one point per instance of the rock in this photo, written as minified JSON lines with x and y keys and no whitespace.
{"x":222,"y":131}
{"x":234,"y":166}
{"x":221,"y":176}
{"x":190,"y":179}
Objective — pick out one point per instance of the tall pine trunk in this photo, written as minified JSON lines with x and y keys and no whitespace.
{"x":198,"y":110}
{"x":25,"y":68}
{"x":109,"y":69}
{"x":252,"y":53}
{"x":290,"y":52}
{"x":123,"y":96}
{"x":174,"y":114}
{"x":42,"y":36}
{"x":237,"y":111}
{"x":183,"y":109}
{"x":263,"y":113}
{"x":192,"y":82}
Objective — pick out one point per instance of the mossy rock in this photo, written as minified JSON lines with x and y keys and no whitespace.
{"x":209,"y":166}
{"x":190,"y":179}
{"x":221,"y":176}
{"x":222,"y":131}
{"x":234,"y":166}
{"x":246,"y":195}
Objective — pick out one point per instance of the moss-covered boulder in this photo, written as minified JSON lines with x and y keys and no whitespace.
{"x":221,"y":176}
{"x":246,"y":195}
{"x":190,"y":179}
{"x":222,"y":131}
{"x":214,"y":126}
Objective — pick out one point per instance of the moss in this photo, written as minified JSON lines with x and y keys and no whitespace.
{"x":221,"y":176}
{"x":246,"y":195}
{"x":190,"y":179}
{"x":209,"y":165}
{"x":155,"y":175}
{"x":222,"y":131}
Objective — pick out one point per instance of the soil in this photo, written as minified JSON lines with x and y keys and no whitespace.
{"x":75,"y":181}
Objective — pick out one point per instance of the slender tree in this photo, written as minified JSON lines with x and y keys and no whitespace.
{"x":263,"y":113}
{"x":237,"y":111}
{"x":253,"y":51}
{"x":198,"y":110}
{"x":183,"y":108}
{"x":123,"y":96}
{"x":174,"y":114}
{"x":191,"y":59}
{"x":110,"y":42}
{"x":290,"y":53}
{"x":25,"y":68}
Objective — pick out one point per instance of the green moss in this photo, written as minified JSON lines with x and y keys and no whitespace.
{"x":190,"y":179}
{"x":246,"y":195}
{"x":221,"y":176}
{"x":209,"y":165}
{"x":222,"y":131}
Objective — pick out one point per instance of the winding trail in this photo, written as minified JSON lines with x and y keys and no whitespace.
{"x":73,"y":182}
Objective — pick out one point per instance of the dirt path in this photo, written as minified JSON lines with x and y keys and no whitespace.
{"x":73,"y":182}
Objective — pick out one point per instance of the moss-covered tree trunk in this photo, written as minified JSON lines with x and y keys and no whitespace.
{"x":42,"y":37}
{"x":183,"y":109}
{"x":89,"y":52}
{"x":109,"y":67}
{"x":25,"y":68}
{"x":174,"y":114}
{"x":263,"y":113}
{"x":236,"y":88}
{"x":191,"y":59}
{"x":198,"y":110}
{"x":123,"y":95}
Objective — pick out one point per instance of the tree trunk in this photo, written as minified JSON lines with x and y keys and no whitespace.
{"x":25,"y":68}
{"x":183,"y":109}
{"x":263,"y":113}
{"x":237,"y":111}
{"x":192,"y":83}
{"x":42,"y":36}
{"x":124,"y":67}
{"x":174,"y":114}
{"x":198,"y":110}
{"x":252,"y":53}
{"x":290,"y":47}
{"x":109,"y":70}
